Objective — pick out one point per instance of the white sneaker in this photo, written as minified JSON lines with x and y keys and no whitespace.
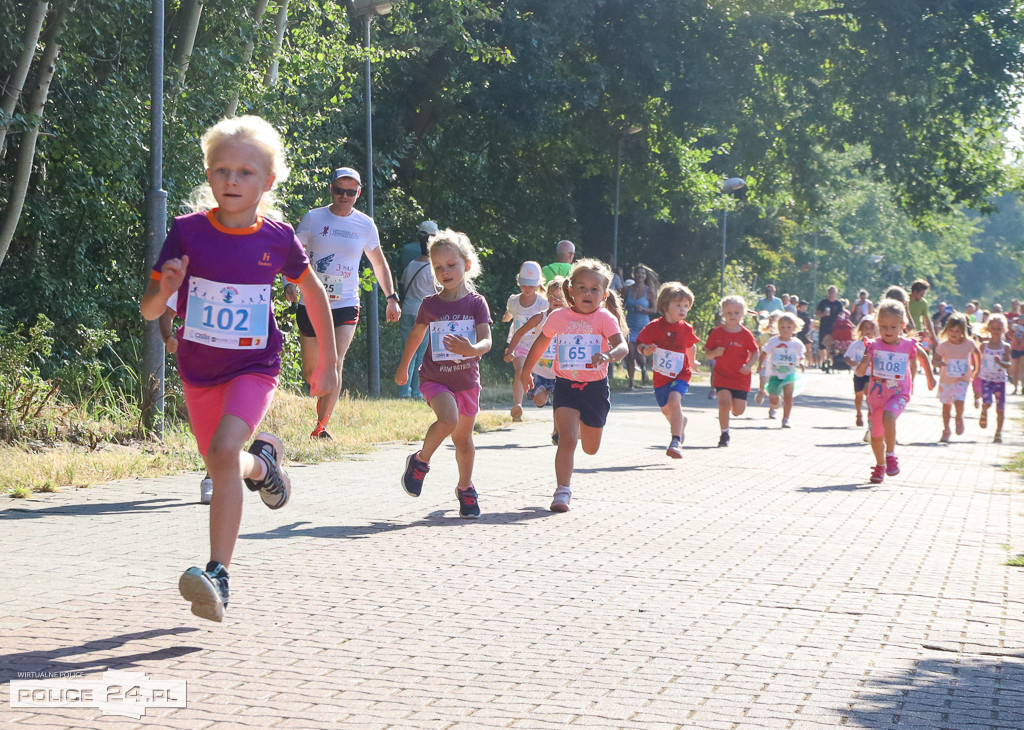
{"x":771,"y":413}
{"x":759,"y":397}
{"x":205,"y":490}
{"x":785,"y":423}
{"x":560,"y":503}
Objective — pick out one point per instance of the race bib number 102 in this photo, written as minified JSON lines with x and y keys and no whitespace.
{"x":227,"y":316}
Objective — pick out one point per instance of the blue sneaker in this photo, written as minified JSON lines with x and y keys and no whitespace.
{"x":469,"y":507}
{"x":415,"y":472}
{"x":275,"y":487}
{"x":206,"y":590}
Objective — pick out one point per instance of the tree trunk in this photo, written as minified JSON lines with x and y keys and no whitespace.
{"x":270,"y":79}
{"x":27,"y":148}
{"x":185,"y":44}
{"x":261,"y":6}
{"x":12,"y":92}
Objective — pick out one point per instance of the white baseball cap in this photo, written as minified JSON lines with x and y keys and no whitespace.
{"x":428,"y":227}
{"x":529,"y":274}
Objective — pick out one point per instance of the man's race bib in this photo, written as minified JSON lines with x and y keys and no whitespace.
{"x":440,"y":329}
{"x":576,"y":351}
{"x":784,"y":360}
{"x":334,"y":281}
{"x":890,"y":365}
{"x":957,"y":368}
{"x":228,"y":316}
{"x":669,"y":362}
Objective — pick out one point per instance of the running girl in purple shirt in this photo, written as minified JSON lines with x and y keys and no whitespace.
{"x":222,"y":263}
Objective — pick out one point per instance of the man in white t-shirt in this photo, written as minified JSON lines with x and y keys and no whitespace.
{"x":336,"y":237}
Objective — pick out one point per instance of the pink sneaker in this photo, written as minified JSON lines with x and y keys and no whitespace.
{"x":892,"y":465}
{"x":877,"y":474}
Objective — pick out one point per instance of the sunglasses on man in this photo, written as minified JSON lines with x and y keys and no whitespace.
{"x":347,"y":192}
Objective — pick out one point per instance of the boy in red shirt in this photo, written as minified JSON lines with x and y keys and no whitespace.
{"x":735,"y":351}
{"x":674,"y":345}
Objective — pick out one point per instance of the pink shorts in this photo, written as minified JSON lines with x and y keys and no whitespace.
{"x":247,"y":397}
{"x":953,"y":392}
{"x":895,"y":402}
{"x":467,"y":401}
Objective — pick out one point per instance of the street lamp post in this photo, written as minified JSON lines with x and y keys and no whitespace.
{"x":623,"y":133}
{"x":732,"y":185}
{"x":366,"y":10}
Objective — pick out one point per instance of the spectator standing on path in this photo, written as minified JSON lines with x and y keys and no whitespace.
{"x":828,"y":310}
{"x":222,"y":262}
{"x":789,"y":303}
{"x":457,"y":323}
{"x":639,"y":305}
{"x":861,"y":308}
{"x":769,"y":302}
{"x":414,"y":249}
{"x":565,"y":252}
{"x":589,"y":336}
{"x":336,"y":237}
{"x":417,"y":284}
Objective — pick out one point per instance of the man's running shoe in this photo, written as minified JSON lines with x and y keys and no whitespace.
{"x":415,"y":471}
{"x":560,"y":503}
{"x":877,"y":474}
{"x":205,"y":490}
{"x":892,"y":465}
{"x":275,"y":487}
{"x":206,"y":590}
{"x":469,"y":507}
{"x":320,"y":433}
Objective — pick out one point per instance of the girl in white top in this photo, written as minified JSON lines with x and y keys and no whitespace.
{"x":520,"y":308}
{"x":995,"y":361}
{"x":782,"y":358}
{"x":866,"y":330}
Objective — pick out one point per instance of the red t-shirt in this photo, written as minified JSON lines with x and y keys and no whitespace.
{"x":678,"y":337}
{"x":738,"y":347}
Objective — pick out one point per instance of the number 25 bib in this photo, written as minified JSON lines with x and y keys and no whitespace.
{"x":227,"y":316}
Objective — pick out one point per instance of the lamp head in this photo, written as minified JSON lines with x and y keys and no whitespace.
{"x":733,"y":184}
{"x":362,"y":8}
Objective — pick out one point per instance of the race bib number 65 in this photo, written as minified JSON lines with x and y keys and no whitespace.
{"x":576,"y":351}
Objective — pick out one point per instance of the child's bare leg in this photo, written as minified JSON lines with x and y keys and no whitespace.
{"x":946,"y":410}
{"x":999,"y":421}
{"x":567,"y":425}
{"x":725,"y":404}
{"x":787,"y":401}
{"x":889,"y":422}
{"x":590,"y":439}
{"x":858,"y":401}
{"x":465,"y":451}
{"x":540,"y":398}
{"x":517,"y":385}
{"x":228,"y":464}
{"x":673,"y":411}
{"x":738,"y":406}
{"x":447,"y":412}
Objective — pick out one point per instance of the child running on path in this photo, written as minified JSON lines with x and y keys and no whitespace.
{"x":735,"y":351}
{"x":590,"y":335}
{"x":866,"y":330}
{"x":893,"y":362}
{"x":458,"y":323}
{"x":543,"y":375}
{"x":782,"y":356}
{"x":222,"y":263}
{"x":958,"y":359}
{"x":995,"y":361}
{"x":520,"y":308}
{"x":670,"y":339}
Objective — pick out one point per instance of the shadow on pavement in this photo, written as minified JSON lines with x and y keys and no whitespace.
{"x":439,"y":518}
{"x":837,"y":488}
{"x":92,"y":508}
{"x":952,"y":692}
{"x":55,"y":660}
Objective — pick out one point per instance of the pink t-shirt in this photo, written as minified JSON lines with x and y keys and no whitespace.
{"x":579,"y":334}
{"x":890,"y":364}
{"x":956,"y":361}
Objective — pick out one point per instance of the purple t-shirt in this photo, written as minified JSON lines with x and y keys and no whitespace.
{"x":454,"y":374}
{"x":229,"y":279}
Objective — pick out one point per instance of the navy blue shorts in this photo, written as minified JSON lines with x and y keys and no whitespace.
{"x":736,"y":394}
{"x":860,"y":382}
{"x":341,"y":315}
{"x":541,"y":383}
{"x":662,"y":392}
{"x":590,"y":398}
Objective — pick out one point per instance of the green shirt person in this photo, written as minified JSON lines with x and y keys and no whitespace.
{"x":917,"y":308}
{"x":565,"y":251}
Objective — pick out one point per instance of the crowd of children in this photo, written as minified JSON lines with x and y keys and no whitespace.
{"x":218,"y":265}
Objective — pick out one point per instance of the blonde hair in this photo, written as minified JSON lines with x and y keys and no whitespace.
{"x":463,"y":248}
{"x":893,"y":307}
{"x":556,"y":283}
{"x":603,"y":272}
{"x":870,"y":319}
{"x":669,"y":292}
{"x":733,"y":299}
{"x":788,"y":317}
{"x":997,"y":317}
{"x":257,"y":131}
{"x":956,"y":319}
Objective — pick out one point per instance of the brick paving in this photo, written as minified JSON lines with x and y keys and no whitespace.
{"x":763,"y":585}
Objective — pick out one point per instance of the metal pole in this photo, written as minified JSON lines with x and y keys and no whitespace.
{"x":373,"y":328}
{"x":615,"y":225}
{"x":156,"y":220}
{"x":725,"y":223}
{"x":814,"y":279}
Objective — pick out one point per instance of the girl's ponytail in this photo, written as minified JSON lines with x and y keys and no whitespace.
{"x":614,"y":305}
